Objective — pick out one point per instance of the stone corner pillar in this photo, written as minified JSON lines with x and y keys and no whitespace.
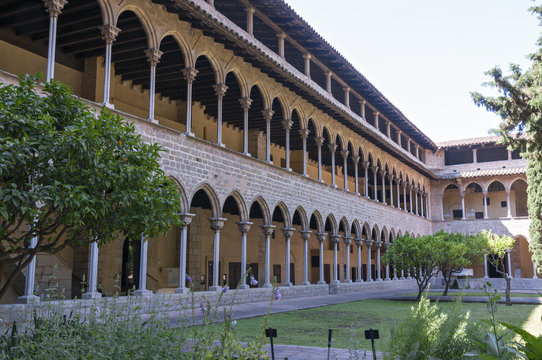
{"x":216,"y":225}
{"x":305,"y":235}
{"x":287,"y":232}
{"x":335,"y":241}
{"x":186,"y":219}
{"x":321,"y":238}
{"x":267,"y":231}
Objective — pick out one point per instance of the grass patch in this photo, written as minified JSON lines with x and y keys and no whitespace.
{"x":439,"y":293}
{"x":309,"y":327}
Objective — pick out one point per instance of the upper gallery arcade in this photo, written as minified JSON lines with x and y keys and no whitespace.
{"x":269,"y":132}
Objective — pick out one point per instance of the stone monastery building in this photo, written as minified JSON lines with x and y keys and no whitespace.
{"x":288,"y":159}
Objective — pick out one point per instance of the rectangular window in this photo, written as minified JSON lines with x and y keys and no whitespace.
{"x":504,"y":204}
{"x":479,"y":215}
{"x":454,"y":157}
{"x":457,"y":214}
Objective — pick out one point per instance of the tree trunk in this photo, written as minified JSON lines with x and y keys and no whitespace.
{"x":447,"y":282}
{"x":507,"y":292}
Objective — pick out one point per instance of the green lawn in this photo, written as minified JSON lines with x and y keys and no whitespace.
{"x":309,"y":327}
{"x":439,"y":293}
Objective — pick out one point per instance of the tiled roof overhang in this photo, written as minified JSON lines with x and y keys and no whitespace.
{"x":482,"y":173}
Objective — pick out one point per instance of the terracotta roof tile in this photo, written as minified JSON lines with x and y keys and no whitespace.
{"x":488,"y":172}
{"x":470,"y":141}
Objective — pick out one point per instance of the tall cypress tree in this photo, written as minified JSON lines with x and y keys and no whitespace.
{"x":519,"y":104}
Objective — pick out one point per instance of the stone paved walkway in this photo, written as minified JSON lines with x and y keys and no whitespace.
{"x":292,"y":352}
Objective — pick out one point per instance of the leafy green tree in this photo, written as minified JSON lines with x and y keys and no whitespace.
{"x":69,"y":176}
{"x":457,"y":251}
{"x":519,"y":104}
{"x":420,"y":255}
{"x":498,"y":246}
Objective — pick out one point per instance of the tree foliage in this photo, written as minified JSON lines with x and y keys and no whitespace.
{"x":69,"y":175}
{"x":519,"y":104}
{"x":419,"y":255}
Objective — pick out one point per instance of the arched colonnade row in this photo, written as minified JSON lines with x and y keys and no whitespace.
{"x":233,"y":103}
{"x":218,"y":241}
{"x":503,"y":197}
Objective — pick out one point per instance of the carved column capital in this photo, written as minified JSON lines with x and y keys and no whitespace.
{"x":287,"y":124}
{"x":220,"y":89}
{"x":375,"y":169}
{"x":217,"y":223}
{"x":190,"y":74}
{"x":267,"y":114}
{"x":344,"y":154}
{"x":54,"y":7}
{"x":153,"y":56}
{"x":305,"y":234}
{"x":365,"y":164}
{"x":244,"y":226}
{"x":319,"y":140}
{"x":304,"y":133}
{"x":321,"y":237}
{"x":334,"y":239}
{"x":186,"y":218}
{"x":307,"y":56}
{"x":382,"y":172}
{"x":347,"y":240}
{"x":359,"y":242}
{"x":245,"y":103}
{"x":355,"y":159}
{"x":368,"y":243}
{"x":378,"y":244}
{"x":390,"y":177}
{"x":109,"y":33}
{"x":287,"y":232}
{"x":332,"y":147}
{"x":268,"y":229}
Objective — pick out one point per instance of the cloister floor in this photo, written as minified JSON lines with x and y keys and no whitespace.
{"x":309,"y":327}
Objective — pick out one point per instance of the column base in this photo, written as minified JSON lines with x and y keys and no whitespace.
{"x":287,"y":284}
{"x":535,"y":277}
{"x":246,"y":154}
{"x":347,"y":281}
{"x":215,"y":288}
{"x":369,"y":280}
{"x":387,"y":279}
{"x":409,"y":278}
{"x":334,"y":186}
{"x":189,"y":133}
{"x":267,"y":285}
{"x":486,"y":277}
{"x":28,"y":299}
{"x":182,"y":290}
{"x":152,"y":120}
{"x":306,"y":283}
{"x":321,"y":283}
{"x":108,"y":105}
{"x":221,"y":145}
{"x":395,"y":278}
{"x":289,"y":169}
{"x":244,"y":286}
{"x":143,"y":293}
{"x":335,"y":282}
{"x":402,"y":278}
{"x":91,"y":295}
{"x":359,"y":280}
{"x":378,"y":279}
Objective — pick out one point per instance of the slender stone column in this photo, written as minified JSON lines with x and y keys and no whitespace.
{"x":399,"y":140}
{"x":244,"y":227}
{"x":398,"y":181}
{"x":484,"y":194}
{"x":416,"y":192}
{"x":464,"y":215}
{"x":375,"y":171}
{"x":344,"y":154}
{"x":378,"y":245}
{"x":305,"y":235}
{"x":245,"y":104}
{"x":408,"y":274}
{"x":410,"y":187}
{"x":509,"y":208}
{"x":422,"y":204}
{"x":287,"y":232}
{"x":362,"y":104}
{"x":307,"y":58}
{"x":304,"y":134}
{"x":216,"y":224}
{"x":220,"y":91}
{"x":287,"y":125}
{"x":109,"y":34}
{"x":426,"y":205}
{"x":359,"y":241}
{"x":383,"y":176}
{"x":268,"y":115}
{"x":54,"y":8}
{"x":404,"y":195}
{"x":355,"y":160}
{"x":142,"y":288}
{"x":29,"y":297}
{"x":509,"y":263}
{"x":250,"y":20}
{"x":376,"y":120}
{"x":347,"y":97}
{"x":211,"y":2}
{"x":332,"y":148}
{"x":153,"y":57}
{"x":366,"y":179}
{"x":388,"y":129}
{"x":390,"y":179}
{"x":535,"y":276}
{"x":385,"y":246}
{"x":485,"y":267}
{"x":347,"y":240}
{"x":186,"y":219}
{"x":402,"y":275}
{"x":92,"y":292}
{"x":281,"y":37}
{"x":321,"y":237}
{"x":368,"y":245}
{"x":189,"y":75}
{"x":335,"y":241}
{"x":319,"y":142}
{"x":328,"y":82}
{"x":267,"y":231}
{"x":475,"y":156}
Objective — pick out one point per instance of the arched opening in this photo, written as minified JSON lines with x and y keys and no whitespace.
{"x":518,"y":197}
{"x":315,"y":225}
{"x":497,"y":205}
{"x":230,"y":246}
{"x":371,"y":174}
{"x":342,"y":147}
{"x":278,"y":245}
{"x":474,"y":201}
{"x":256,"y":242}
{"x":330,"y":227}
{"x":278,"y":135}
{"x":296,"y":144}
{"x":520,"y":256}
{"x":130,"y":265}
{"x":204,"y":101}
{"x":257,"y":125}
{"x":451,"y":203}
{"x":374,"y":238}
{"x":232,"y":115}
{"x":312,"y":151}
{"x":343,"y":251}
{"x":170,"y":100}
{"x":299,"y":223}
{"x":355,"y":233}
{"x":199,"y":258}
{"x":326,"y":157}
{"x":364,"y":251}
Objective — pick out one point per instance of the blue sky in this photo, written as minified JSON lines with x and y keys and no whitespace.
{"x":426,"y":56}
